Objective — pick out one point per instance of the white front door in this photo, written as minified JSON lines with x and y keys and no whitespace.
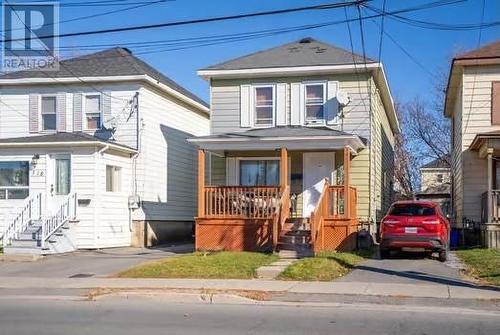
{"x":317,"y":166}
{"x":58,"y":180}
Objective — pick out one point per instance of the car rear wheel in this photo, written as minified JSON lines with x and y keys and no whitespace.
{"x":443,"y":255}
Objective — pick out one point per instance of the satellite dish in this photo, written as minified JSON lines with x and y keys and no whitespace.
{"x":343,"y":98}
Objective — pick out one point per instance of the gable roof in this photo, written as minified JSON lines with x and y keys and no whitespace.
{"x":55,"y":139}
{"x":305,"y":52}
{"x":107,"y":63}
{"x":491,"y":50}
{"x":440,"y":163}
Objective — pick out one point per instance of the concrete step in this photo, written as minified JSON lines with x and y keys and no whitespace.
{"x":11,"y":250}
{"x":295,"y":254}
{"x":29,"y":236}
{"x":25,"y":243}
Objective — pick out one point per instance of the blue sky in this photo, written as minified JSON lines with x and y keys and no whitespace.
{"x":433,"y":49}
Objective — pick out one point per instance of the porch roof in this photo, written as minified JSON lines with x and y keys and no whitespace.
{"x":57,"y":139}
{"x":290,"y":137}
{"x":481,"y":137}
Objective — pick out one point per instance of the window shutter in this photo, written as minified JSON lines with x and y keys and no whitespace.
{"x":106,"y":107}
{"x":61,"y":112}
{"x":296,"y":104}
{"x":77,"y":112}
{"x":245,"y":106}
{"x":232,"y":171}
{"x":495,"y":103}
{"x":281,"y":104}
{"x":33,"y":113}
{"x":332,"y":104}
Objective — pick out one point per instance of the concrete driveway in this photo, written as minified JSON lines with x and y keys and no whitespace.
{"x":408,"y":268}
{"x":91,"y":263}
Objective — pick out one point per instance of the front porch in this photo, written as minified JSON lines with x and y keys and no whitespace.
{"x":288,"y":198}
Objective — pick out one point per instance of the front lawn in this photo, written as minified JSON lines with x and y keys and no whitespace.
{"x":484,"y":264}
{"x":222,"y":265}
{"x":326,"y":266}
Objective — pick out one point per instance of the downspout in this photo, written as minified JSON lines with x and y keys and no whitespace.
{"x":134,"y":158}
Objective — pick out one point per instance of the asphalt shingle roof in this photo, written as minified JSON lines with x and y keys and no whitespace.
{"x":111,"y":62}
{"x":305,"y":52}
{"x":437,"y":163}
{"x":491,"y":50}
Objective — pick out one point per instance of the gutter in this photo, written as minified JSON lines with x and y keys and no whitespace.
{"x":73,"y":144}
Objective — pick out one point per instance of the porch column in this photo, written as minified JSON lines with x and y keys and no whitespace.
{"x":283,"y":168}
{"x":347,"y":168}
{"x":201,"y":182}
{"x":490,"y":185}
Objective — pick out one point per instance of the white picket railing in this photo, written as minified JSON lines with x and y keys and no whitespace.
{"x":65,"y":213}
{"x":32,"y":210}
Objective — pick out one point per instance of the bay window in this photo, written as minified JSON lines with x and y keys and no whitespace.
{"x":259,"y":172}
{"x":315,"y":102}
{"x":14,"y":180}
{"x":264,"y":105}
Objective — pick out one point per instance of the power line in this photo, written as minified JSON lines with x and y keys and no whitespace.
{"x":196,"y":21}
{"x":381,"y":32}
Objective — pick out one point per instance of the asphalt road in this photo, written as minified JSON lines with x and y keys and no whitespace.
{"x":159,"y":315}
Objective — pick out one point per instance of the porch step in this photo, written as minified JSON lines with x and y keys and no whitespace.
{"x":26,"y":243}
{"x":295,"y":254}
{"x":295,"y":238}
{"x":20,"y":250}
{"x":297,"y":224}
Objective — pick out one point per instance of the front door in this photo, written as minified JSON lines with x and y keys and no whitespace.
{"x":58,"y":180}
{"x":317,"y":166}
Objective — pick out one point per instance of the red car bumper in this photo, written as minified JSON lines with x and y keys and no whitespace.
{"x":428,"y":242}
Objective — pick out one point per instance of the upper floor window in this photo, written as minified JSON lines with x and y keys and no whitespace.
{"x":14,"y":180}
{"x":315,"y":102}
{"x":49,"y":107}
{"x":93,"y":111}
{"x":264,"y":105}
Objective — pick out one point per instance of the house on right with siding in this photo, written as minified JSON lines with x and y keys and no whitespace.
{"x":473,"y":105}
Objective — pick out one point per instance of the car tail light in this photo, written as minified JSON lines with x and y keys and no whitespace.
{"x":391,"y":221}
{"x":434,"y":221}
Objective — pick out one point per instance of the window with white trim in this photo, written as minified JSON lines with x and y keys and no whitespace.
{"x":264,"y":105}
{"x":14,"y":180}
{"x":113,"y":178}
{"x":48,"y":112}
{"x":259,"y":172}
{"x":93,"y":111}
{"x":314,"y":99}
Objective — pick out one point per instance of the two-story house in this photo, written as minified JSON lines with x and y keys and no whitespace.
{"x":301,"y":149}
{"x":435,"y":183}
{"x":473,"y":105}
{"x":95,"y":155}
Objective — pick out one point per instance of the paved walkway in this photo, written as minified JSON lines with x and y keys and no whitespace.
{"x":90,"y":263}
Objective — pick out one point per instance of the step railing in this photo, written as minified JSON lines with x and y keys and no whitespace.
{"x":281,"y":215}
{"x":317,"y":219}
{"x":65,"y":213}
{"x":31,"y":211}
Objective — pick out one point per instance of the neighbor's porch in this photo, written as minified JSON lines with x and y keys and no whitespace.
{"x":248,"y":199}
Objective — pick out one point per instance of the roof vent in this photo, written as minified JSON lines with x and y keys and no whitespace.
{"x":306,"y":40}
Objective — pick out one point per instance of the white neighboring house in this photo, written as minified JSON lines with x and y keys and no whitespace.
{"x":435,"y":185}
{"x":95,"y":155}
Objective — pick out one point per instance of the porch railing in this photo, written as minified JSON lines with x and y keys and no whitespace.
{"x":317,"y":219}
{"x":281,"y":214}
{"x":65,"y":213}
{"x":258,"y":202}
{"x":31,"y":210}
{"x":495,"y":206}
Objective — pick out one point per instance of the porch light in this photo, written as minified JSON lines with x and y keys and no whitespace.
{"x":35,"y":159}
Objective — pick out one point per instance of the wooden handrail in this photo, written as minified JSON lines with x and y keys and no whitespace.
{"x":318,"y":217}
{"x":281,"y":214}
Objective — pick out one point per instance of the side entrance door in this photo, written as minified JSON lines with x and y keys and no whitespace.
{"x":58,"y":180}
{"x":316,"y":167}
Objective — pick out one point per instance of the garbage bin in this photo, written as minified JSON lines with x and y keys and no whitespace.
{"x":365,"y":240}
{"x":454,"y":235}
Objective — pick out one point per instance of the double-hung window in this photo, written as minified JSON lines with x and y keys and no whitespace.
{"x":49,"y":107}
{"x":259,"y":172}
{"x":93,"y":111}
{"x":113,"y":178}
{"x":264,"y":105}
{"x":14,"y":180}
{"x":315,"y":94}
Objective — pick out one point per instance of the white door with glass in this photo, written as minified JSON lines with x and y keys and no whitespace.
{"x":317,"y":166}
{"x":58,"y":180}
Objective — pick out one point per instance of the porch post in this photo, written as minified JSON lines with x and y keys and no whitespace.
{"x":347,"y":168}
{"x":490,"y":186}
{"x":201,"y":182}
{"x":283,"y":168}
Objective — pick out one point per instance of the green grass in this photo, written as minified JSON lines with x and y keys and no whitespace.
{"x":483,"y":264}
{"x":326,"y":266}
{"x":222,"y":265}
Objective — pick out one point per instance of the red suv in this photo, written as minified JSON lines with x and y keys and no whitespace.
{"x":414,"y":226}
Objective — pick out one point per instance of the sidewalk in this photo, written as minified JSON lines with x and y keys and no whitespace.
{"x":441,"y":291}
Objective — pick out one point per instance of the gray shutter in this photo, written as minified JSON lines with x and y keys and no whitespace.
{"x":61,"y":112}
{"x":33,"y":113}
{"x":332,"y":104}
{"x":245,"y":106}
{"x":281,"y":104}
{"x":106,"y":107}
{"x":77,"y":112}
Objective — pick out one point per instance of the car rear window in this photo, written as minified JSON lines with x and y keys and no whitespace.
{"x":412,"y":210}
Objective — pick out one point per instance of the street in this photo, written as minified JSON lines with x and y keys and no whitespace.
{"x":164,"y":315}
